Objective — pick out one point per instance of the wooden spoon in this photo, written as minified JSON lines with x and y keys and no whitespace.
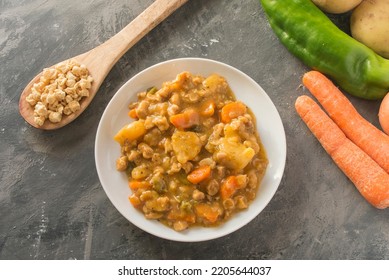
{"x":100,"y":60}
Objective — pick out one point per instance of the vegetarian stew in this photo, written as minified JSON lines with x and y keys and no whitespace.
{"x":192,"y":154}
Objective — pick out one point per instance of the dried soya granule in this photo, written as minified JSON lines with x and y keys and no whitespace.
{"x":59,"y":91}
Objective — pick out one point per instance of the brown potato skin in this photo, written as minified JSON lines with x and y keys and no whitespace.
{"x":369,"y":25}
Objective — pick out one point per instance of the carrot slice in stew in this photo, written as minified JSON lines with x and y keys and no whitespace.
{"x":208,"y":212}
{"x":199,"y":174}
{"x":232,"y":110}
{"x":177,"y":214}
{"x":208,"y":108}
{"x":185,"y":119}
{"x":135,"y":201}
{"x":135,"y":185}
{"x":132,"y":114}
{"x":229,"y":186}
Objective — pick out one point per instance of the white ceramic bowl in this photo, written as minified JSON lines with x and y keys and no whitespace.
{"x":115,"y":117}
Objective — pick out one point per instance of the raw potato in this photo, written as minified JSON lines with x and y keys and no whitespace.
{"x":370,"y":25}
{"x":336,"y":6}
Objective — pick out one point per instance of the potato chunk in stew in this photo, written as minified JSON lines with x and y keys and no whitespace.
{"x":192,"y":154}
{"x":130,"y":132}
{"x":186,"y":145}
{"x":234,"y":154}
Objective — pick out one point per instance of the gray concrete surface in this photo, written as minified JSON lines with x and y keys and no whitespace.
{"x":52,"y":205}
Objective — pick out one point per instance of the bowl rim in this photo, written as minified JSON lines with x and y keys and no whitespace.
{"x":216,"y":233}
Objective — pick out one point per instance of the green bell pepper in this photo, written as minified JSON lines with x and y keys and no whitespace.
{"x":311,"y":36}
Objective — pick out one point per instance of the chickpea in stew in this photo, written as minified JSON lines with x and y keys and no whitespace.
{"x":192,"y":154}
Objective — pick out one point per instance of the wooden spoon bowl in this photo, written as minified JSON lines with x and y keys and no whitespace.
{"x":100,"y":60}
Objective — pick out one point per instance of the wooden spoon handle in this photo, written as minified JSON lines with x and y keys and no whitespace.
{"x":101,"y":59}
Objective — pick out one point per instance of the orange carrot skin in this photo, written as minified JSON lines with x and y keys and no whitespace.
{"x":180,"y":215}
{"x":186,"y":119}
{"x":368,"y":177}
{"x":383,"y":114}
{"x":365,"y":135}
{"x":207,"y":212}
{"x":199,"y":174}
{"x":232,"y":110}
{"x":135,"y":185}
{"x":208,"y":109}
{"x":228,"y":187}
{"x":134,"y":200}
{"x":132,"y":114}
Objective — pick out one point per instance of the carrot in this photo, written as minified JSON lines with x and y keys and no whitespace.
{"x":185,"y":119}
{"x":208,"y":212}
{"x":177,"y":214}
{"x":368,"y":177}
{"x":229,"y":186}
{"x":383,"y":114}
{"x":208,"y":108}
{"x":135,"y":185}
{"x":232,"y":110}
{"x":132,"y":114}
{"x":135,"y":201}
{"x":365,"y":135}
{"x":199,"y":174}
